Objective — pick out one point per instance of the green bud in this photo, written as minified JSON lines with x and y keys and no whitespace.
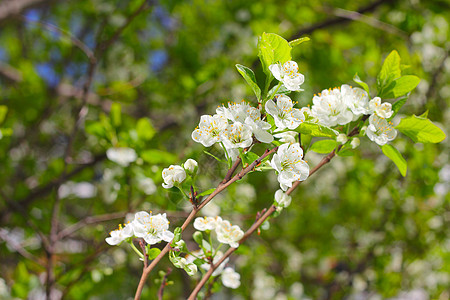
{"x":198,"y":237}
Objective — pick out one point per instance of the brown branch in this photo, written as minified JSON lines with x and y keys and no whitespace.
{"x":163,"y":284}
{"x":18,"y":248}
{"x":268,"y":213}
{"x":14,"y":7}
{"x":220,"y":188}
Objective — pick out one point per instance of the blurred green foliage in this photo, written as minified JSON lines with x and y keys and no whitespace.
{"x":355,"y":230}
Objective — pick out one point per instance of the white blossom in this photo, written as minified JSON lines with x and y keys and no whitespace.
{"x":147,"y":185}
{"x":356,"y":99}
{"x":182,"y":263}
{"x":383,"y":110}
{"x":121,"y":234}
{"x":355,"y":143}
{"x":237,"y":135}
{"x":190,"y":165}
{"x":282,"y":199}
{"x":230,"y":278}
{"x":342,"y":138}
{"x":284,"y":113}
{"x":287,"y":136}
{"x":205,"y":223}
{"x":380,"y":131}
{"x":330,"y":108}
{"x":206,"y":266}
{"x":122,"y":156}
{"x":209,"y":130}
{"x":288,"y":74}
{"x":172,"y":175}
{"x":246,"y":114}
{"x":228,"y":234}
{"x":153,"y":229}
{"x":289,"y":165}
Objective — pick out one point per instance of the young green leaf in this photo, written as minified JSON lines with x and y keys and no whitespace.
{"x":272,"y":48}
{"x":314,"y":129}
{"x":323,"y":146}
{"x":145,"y":129}
{"x":249,"y":157}
{"x":3,"y":111}
{"x":361,"y":83}
{"x":401,"y":86}
{"x":391,"y":152}
{"x":277,"y":90}
{"x":397,"y":106}
{"x":297,"y":42}
{"x":207,"y":192}
{"x":250,"y":78}
{"x":116,"y":114}
{"x":389,"y":71}
{"x":420,"y":130}
{"x":153,"y":253}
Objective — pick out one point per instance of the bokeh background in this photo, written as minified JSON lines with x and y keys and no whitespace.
{"x":355,"y":230}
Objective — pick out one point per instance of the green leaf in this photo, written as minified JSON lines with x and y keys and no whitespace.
{"x":249,"y":157}
{"x":420,"y":130}
{"x":361,"y":83}
{"x":401,"y":86}
{"x":95,"y":128}
{"x":3,"y":111}
{"x":272,"y":49}
{"x":154,"y":156}
{"x":305,"y":142}
{"x":345,"y":152}
{"x":389,"y":71}
{"x":297,"y":42}
{"x":391,"y":152}
{"x":323,"y":146}
{"x":397,"y":106}
{"x":153,"y":253}
{"x":277,"y":90}
{"x":145,"y":129}
{"x":207,"y":192}
{"x":250,"y":78}
{"x":215,"y":157}
{"x":316,"y":130}
{"x":116,"y":114}
{"x":424,"y":115}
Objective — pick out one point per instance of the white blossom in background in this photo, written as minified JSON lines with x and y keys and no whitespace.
{"x":172,"y":175}
{"x":284,"y":113}
{"x":330,"y":108}
{"x":121,"y":234}
{"x":122,"y":156}
{"x":211,"y":209}
{"x":342,"y":138}
{"x":228,"y":234}
{"x":356,"y":99}
{"x":287,"y":137}
{"x":288,"y":74}
{"x":380,"y":131}
{"x":383,"y":110}
{"x":355,"y":143}
{"x":230,"y":278}
{"x":205,"y":223}
{"x":147,"y":185}
{"x":209,"y":130}
{"x":153,"y":229}
{"x":190,"y":165}
{"x":237,"y":135}
{"x":282,"y":199}
{"x":289,"y":164}
{"x":81,"y":190}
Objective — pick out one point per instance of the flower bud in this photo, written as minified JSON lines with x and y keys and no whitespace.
{"x":198,"y":237}
{"x":191,"y":166}
{"x":342,"y":138}
{"x":355,"y":143}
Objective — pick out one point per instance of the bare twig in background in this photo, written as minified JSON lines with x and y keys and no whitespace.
{"x":163,"y":284}
{"x":14,"y":7}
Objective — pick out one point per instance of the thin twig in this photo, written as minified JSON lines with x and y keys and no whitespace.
{"x":163,"y":284}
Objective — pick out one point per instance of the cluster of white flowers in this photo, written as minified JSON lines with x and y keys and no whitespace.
{"x":226,"y":232}
{"x":288,"y":74}
{"x":121,"y":155}
{"x":152,"y":228}
{"x":342,"y":105}
{"x":234,"y":126}
{"x":174,"y":174}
